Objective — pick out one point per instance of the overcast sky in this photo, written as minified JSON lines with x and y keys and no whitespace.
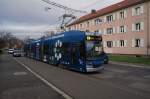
{"x":28,"y":17}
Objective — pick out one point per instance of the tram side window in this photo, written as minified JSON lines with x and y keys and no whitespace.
{"x":82,"y":50}
{"x":51,"y":49}
{"x":46,"y":48}
{"x":65,"y":49}
{"x":28,"y":48}
{"x":40,"y":49}
{"x":76,"y":51}
{"x":75,"y":55}
{"x":32,"y":49}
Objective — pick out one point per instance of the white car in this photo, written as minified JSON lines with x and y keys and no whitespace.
{"x":10,"y":51}
{"x":17,"y":53}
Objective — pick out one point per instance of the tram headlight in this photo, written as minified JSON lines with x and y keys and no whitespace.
{"x":88,"y":37}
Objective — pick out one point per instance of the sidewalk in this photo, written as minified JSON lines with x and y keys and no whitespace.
{"x":130,"y":64}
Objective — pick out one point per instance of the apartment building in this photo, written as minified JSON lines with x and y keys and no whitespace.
{"x":125,"y":27}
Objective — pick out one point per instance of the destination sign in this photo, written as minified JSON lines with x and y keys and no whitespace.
{"x":92,"y":38}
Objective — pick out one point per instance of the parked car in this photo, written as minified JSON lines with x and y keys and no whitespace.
{"x":17,"y":53}
{"x":105,"y":57}
{"x":10,"y":51}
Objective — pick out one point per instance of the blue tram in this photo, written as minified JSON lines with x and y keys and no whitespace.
{"x":77,"y":50}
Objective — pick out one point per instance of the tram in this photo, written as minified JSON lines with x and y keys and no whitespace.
{"x":77,"y":50}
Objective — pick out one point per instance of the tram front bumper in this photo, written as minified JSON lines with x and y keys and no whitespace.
{"x":92,"y":69}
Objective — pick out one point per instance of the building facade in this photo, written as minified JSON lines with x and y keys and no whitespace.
{"x":125,"y":27}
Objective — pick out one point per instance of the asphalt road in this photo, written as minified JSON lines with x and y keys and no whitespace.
{"x":16,"y":82}
{"x":115,"y":82}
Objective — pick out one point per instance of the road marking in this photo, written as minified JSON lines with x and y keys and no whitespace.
{"x":20,"y":73}
{"x":66,"y":96}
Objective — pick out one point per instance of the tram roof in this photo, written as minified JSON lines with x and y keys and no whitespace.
{"x":66,"y":34}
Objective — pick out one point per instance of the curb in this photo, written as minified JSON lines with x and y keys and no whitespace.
{"x":130,"y":65}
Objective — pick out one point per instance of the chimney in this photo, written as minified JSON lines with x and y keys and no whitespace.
{"x":93,"y":11}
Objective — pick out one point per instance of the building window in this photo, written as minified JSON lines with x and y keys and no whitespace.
{"x":137,"y":11}
{"x":122,"y":15}
{"x":97,"y":21}
{"x":87,"y":30}
{"x":109,"y":18}
{"x":74,"y":27}
{"x":138,"y":26}
{"x":80,"y":25}
{"x":88,"y":24}
{"x":137,"y":42}
{"x":109,"y":30}
{"x":77,"y":27}
{"x":97,"y":31}
{"x":122,"y":43}
{"x":69,"y":28}
{"x":122,"y":29}
{"x":109,"y":44}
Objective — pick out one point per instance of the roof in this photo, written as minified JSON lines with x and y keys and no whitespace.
{"x":109,"y":9}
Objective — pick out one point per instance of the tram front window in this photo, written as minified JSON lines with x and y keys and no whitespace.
{"x":93,"y":49}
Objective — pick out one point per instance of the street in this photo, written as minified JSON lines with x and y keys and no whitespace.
{"x":18,"y":83}
{"x":115,"y":82}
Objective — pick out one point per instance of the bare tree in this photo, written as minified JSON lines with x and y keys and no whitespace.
{"x":8,"y":40}
{"x":4,"y":38}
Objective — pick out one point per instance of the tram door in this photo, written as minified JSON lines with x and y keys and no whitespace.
{"x":75,"y":53}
